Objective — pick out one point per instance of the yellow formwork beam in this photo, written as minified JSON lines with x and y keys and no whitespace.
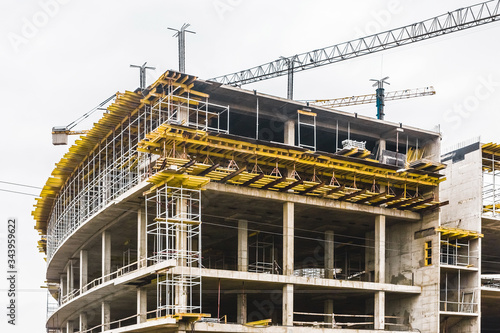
{"x":458,"y":233}
{"x":228,"y":147}
{"x":259,"y":323}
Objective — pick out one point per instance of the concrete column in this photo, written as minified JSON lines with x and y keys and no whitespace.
{"x":83,"y":322}
{"x":62,"y":286}
{"x":381,"y":147}
{"x":183,"y":115}
{"x":70,"y":328}
{"x":379,"y":310}
{"x":289,"y":132}
{"x":370,"y":255}
{"x":242,"y":245}
{"x":380,"y":248}
{"x":106,"y":254}
{"x":142,"y":249}
{"x":84,"y":269}
{"x":329,"y":254}
{"x":105,"y":316}
{"x":142,"y":304}
{"x":288,"y":305}
{"x":241,"y":308}
{"x":70,"y":277}
{"x":288,"y":241}
{"x":328,"y":309}
{"x":181,"y":246}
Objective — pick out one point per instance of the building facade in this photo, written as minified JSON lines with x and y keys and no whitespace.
{"x":197,"y":206}
{"x":470,"y":248}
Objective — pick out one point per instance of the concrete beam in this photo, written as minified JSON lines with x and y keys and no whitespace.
{"x":269,"y":280}
{"x":288,"y":238}
{"x":380,"y":249}
{"x":341,"y":206}
{"x":288,"y":305}
{"x":106,"y":255}
{"x":242,"y":245}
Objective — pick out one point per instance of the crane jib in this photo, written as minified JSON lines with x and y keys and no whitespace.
{"x":460,"y":19}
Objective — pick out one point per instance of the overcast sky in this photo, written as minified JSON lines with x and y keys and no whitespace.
{"x":60,"y":58}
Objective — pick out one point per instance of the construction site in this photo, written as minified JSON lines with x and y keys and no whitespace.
{"x":197,"y":205}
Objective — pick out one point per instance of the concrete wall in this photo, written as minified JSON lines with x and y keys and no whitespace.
{"x":463,"y":188}
{"x":405,"y":263}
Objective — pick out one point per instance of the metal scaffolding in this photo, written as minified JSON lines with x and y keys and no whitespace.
{"x":115,"y":164}
{"x":110,"y":170}
{"x":191,"y":109}
{"x":491,"y":179}
{"x":263,"y":254}
{"x":176,"y":235}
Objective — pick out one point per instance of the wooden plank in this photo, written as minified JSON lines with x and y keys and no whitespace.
{"x":434,"y":206}
{"x":186,"y":165}
{"x":208,"y":170}
{"x":273,"y":183}
{"x":335,"y":190}
{"x":381,"y":202}
{"x":253,"y":180}
{"x":403,"y":202}
{"x":351,"y":195}
{"x":415,"y":204}
{"x":292,"y":185}
{"x":312,"y":188}
{"x":373,"y":197}
{"x":232,"y":175}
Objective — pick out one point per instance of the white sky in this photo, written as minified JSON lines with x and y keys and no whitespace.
{"x":80,"y":54}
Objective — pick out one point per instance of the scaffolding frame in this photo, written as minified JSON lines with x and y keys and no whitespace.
{"x":457,"y":252}
{"x":265,"y":259}
{"x":108,"y":171}
{"x":176,"y":235}
{"x":201,"y":114}
{"x":464,"y":301}
{"x":491,"y":184}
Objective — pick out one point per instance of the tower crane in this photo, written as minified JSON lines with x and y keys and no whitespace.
{"x":379,"y":97}
{"x":372,"y":98}
{"x":460,"y":19}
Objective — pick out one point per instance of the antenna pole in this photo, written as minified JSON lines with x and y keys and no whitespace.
{"x":142,"y":74}
{"x":181,"y":35}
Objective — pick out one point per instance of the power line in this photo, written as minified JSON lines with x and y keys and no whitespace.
{"x":16,"y":192}
{"x":17,"y":184}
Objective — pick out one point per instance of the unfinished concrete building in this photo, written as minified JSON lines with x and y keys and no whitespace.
{"x":471,"y":281}
{"x":196,"y":206}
